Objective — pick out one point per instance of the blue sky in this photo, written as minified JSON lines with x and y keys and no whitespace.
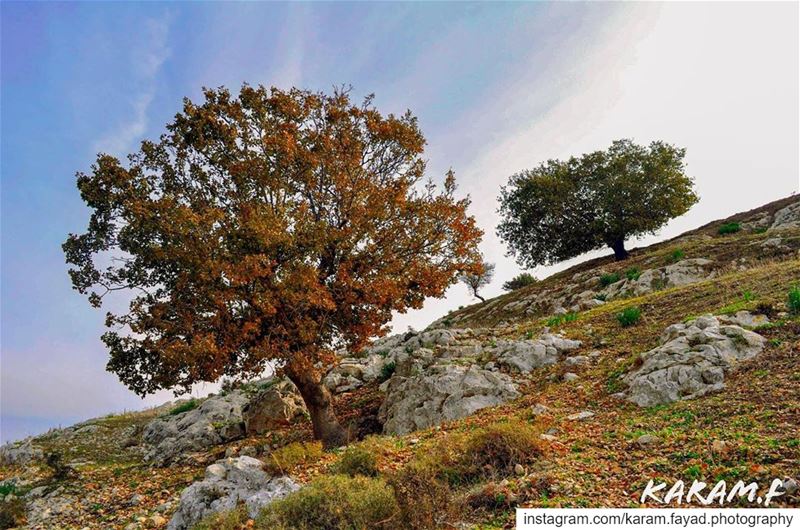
{"x":497,"y":87}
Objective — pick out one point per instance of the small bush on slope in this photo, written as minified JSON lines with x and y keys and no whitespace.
{"x":356,"y":461}
{"x":230,"y":520}
{"x":486,"y":453}
{"x":629,"y":316}
{"x":794,"y":300}
{"x":729,"y":228}
{"x":285,"y":459}
{"x":608,"y":279}
{"x":519,"y":281}
{"x":334,"y":502}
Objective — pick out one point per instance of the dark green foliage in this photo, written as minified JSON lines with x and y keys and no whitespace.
{"x":6,"y":488}
{"x":608,"y":279}
{"x":186,"y":406}
{"x":557,"y":320}
{"x":794,"y":300}
{"x":334,"y":502}
{"x":386,"y":371}
{"x":729,"y":228}
{"x":356,"y":461}
{"x":629,"y":316}
{"x":61,"y":471}
{"x":562,"y":209}
{"x":633,"y":273}
{"x":677,"y":255}
{"x":520,"y":280}
{"x":12,"y":513}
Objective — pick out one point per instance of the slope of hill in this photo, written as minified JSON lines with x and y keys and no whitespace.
{"x":560,"y":362}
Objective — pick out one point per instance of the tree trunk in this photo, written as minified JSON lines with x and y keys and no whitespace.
{"x":319,"y":402}
{"x":619,"y":249}
{"x":482,"y":299}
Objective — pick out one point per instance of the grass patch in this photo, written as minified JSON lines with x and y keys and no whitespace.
{"x":334,"y":502}
{"x":356,"y":461}
{"x":608,"y":279}
{"x":184,"y":407}
{"x":676,"y":255}
{"x":558,"y":320}
{"x":629,"y":316}
{"x":793,"y":302}
{"x":387,"y":370}
{"x":633,"y":273}
{"x":287,"y":458}
{"x":729,"y":228}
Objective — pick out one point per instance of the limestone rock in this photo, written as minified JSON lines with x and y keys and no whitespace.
{"x":525,"y":355}
{"x":442,"y":392}
{"x":581,"y":416}
{"x":227,"y":483}
{"x":20,"y":453}
{"x":788,"y":217}
{"x":217,"y":420}
{"x":691,"y":361}
{"x":276,"y":405}
{"x":744,"y":319}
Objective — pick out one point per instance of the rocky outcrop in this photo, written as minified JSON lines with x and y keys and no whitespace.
{"x":788,"y":217}
{"x":276,"y":405}
{"x":525,"y":355}
{"x":684,"y":272}
{"x":227,"y":483}
{"x":440,"y":393}
{"x":220,"y":419}
{"x":691,"y":361}
{"x":20,"y":453}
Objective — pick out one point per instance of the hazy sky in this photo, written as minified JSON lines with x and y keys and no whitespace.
{"x":497,"y":88}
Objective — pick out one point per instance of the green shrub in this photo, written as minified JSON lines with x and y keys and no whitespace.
{"x":794,"y":300}
{"x":557,"y":320}
{"x":601,"y":297}
{"x":677,"y":255}
{"x":230,"y":520}
{"x":284,"y":459}
{"x":485,"y":453}
{"x":12,"y":513}
{"x":760,"y":230}
{"x":633,"y":273}
{"x":186,"y":406}
{"x":425,"y":501}
{"x":334,"y":502}
{"x":6,"y":488}
{"x":729,"y":228}
{"x":356,"y":461}
{"x":520,"y":280}
{"x":629,"y":316}
{"x":386,"y":371}
{"x":608,"y":279}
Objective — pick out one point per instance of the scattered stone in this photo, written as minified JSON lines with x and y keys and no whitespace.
{"x":569,"y":376}
{"x":539,"y":410}
{"x":547,"y":437}
{"x":647,"y":440}
{"x":248,"y":450}
{"x":519,"y":470}
{"x":443,"y":392}
{"x":789,"y":485}
{"x":691,"y":361}
{"x":744,"y":319}
{"x":581,"y":416}
{"x":227,"y":483}
{"x":576,"y":360}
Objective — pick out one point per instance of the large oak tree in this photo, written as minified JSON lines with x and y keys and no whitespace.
{"x":276,"y":226}
{"x":562,"y":209}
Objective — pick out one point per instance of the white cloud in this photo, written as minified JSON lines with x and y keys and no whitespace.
{"x":146,"y":63}
{"x":718,"y":79}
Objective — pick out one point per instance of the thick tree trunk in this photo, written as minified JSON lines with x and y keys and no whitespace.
{"x":319,"y":403}
{"x":619,"y":249}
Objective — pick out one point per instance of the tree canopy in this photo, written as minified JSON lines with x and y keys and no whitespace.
{"x":562,"y":209}
{"x":478,"y":278}
{"x":272,"y":226}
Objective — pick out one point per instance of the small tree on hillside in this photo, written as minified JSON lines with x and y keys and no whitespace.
{"x":519,"y":281}
{"x":478,"y":278}
{"x":562,"y":209}
{"x":276,"y":226}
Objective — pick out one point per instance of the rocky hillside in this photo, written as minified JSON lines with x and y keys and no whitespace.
{"x":679,"y":363}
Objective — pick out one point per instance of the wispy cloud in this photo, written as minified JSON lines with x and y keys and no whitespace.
{"x":146,"y":62}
